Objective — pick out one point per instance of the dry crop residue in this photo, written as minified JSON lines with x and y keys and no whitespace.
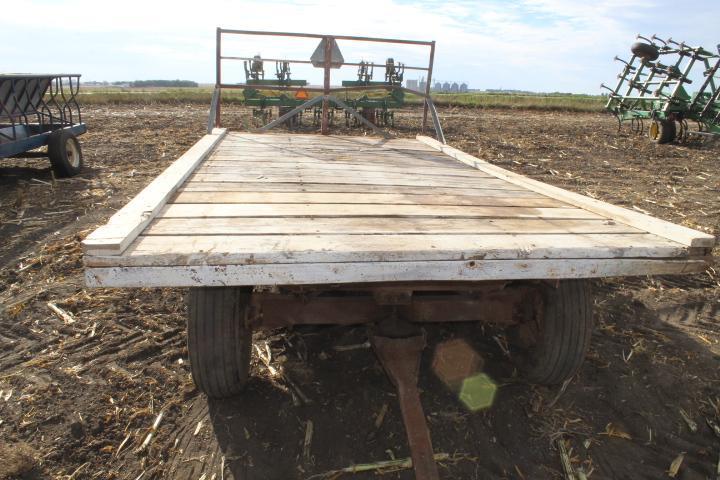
{"x":99,"y":386}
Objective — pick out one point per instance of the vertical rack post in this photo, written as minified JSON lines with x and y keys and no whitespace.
{"x":326,"y":84}
{"x":218,"y":75}
{"x":427,"y":85}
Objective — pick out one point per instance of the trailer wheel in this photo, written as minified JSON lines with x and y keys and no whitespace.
{"x":663,"y":131}
{"x":65,"y":153}
{"x":219,"y":341}
{"x":561,"y":333}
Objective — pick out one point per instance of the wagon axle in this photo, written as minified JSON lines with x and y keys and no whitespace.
{"x":552,"y":322}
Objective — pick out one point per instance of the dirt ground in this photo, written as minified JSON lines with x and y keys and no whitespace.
{"x":79,"y":398}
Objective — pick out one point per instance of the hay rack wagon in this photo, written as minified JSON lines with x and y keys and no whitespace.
{"x":38,"y":110}
{"x":278,"y":229}
{"x":653,"y":86}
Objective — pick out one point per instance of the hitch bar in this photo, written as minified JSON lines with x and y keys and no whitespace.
{"x":400,"y":357}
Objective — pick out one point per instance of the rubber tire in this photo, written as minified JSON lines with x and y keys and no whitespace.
{"x":565,"y":327}
{"x":219,"y":343}
{"x":667,"y":131}
{"x":58,"y":153}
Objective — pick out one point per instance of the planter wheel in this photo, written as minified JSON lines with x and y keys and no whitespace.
{"x":663,"y":131}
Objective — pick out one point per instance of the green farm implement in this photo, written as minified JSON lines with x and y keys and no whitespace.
{"x":377,"y":109}
{"x":653,"y":87}
{"x":366,"y":102}
{"x":261,"y":93}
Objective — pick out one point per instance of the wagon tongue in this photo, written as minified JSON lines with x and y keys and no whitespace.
{"x":400,"y":358}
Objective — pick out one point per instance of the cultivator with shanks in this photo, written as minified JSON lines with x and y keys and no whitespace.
{"x":653,"y":86}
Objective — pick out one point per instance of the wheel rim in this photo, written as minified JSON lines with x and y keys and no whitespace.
{"x":654,"y":130}
{"x":73,"y":153}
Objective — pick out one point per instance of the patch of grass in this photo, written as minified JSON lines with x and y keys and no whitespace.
{"x":203,"y":95}
{"x":575,"y":103}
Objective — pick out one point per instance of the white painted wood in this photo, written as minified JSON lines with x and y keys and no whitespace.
{"x":267,"y":249}
{"x":329,"y":273}
{"x":128,"y":222}
{"x":191,"y":210}
{"x":664,"y":229}
{"x":379,"y":226}
{"x":363,"y":198}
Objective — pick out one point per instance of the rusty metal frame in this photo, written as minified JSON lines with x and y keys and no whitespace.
{"x":397,"y":343}
{"x":326,"y":90}
{"x":421,"y":303}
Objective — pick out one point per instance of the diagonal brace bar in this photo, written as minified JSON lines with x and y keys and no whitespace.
{"x":436,"y":120}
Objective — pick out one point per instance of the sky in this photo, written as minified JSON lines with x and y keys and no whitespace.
{"x":536,"y":45}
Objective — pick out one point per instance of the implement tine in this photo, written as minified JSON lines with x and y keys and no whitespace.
{"x":655,"y":37}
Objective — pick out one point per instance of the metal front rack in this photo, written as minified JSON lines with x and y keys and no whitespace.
{"x":327,"y":97}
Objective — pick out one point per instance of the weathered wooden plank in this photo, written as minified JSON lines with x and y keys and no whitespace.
{"x":399,"y":180}
{"x":337,"y":163}
{"x":189,"y":210}
{"x":647,"y":223}
{"x":264,"y":249}
{"x":379,"y":226}
{"x":438,"y":160}
{"x":249,"y":174}
{"x":291,"y":149}
{"x":366,"y":198}
{"x":313,"y":140}
{"x":314,"y":151}
{"x":128,"y":222}
{"x":342,"y":170}
{"x":319,"y":142}
{"x":498,"y":189}
{"x":361,"y":272}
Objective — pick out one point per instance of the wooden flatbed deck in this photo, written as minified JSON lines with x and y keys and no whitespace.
{"x":273,"y":209}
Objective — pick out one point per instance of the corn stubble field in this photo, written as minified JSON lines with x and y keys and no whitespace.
{"x":107,"y":393}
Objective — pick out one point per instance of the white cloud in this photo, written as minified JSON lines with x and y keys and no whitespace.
{"x":528,"y":44}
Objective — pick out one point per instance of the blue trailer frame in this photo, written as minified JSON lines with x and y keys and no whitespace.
{"x":33,"y":107}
